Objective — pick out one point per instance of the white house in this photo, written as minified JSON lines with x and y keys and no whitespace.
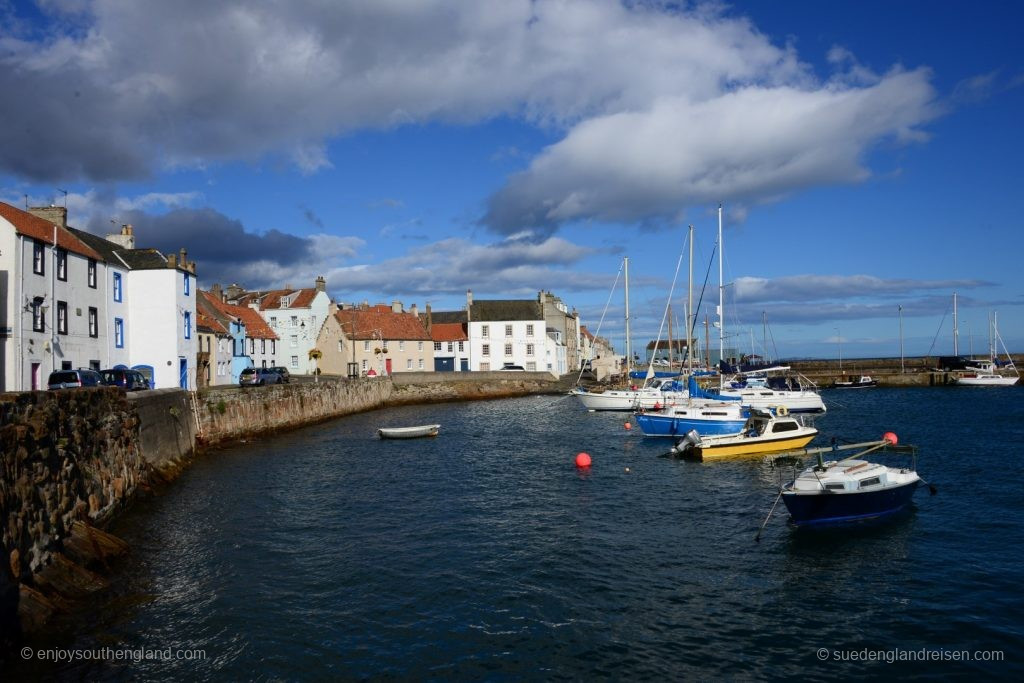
{"x":294,"y":315}
{"x":507,"y":332}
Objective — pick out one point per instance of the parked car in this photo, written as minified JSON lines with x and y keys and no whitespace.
{"x":283,"y":371}
{"x":129,"y":380}
{"x":72,"y":379}
{"x":257,"y":377}
{"x":512,"y":368}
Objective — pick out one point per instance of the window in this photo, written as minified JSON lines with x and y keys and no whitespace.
{"x":450,"y":347}
{"x":529,"y":330}
{"x":252,"y":346}
{"x":118,"y":292}
{"x":188,"y":324}
{"x":273,"y":321}
{"x":508,"y":349}
{"x":62,"y":317}
{"x":485,"y":331}
{"x":419,"y":346}
{"x":92,"y":273}
{"x":341,"y":345}
{"x":188,"y":288}
{"x":295,"y":340}
{"x":94,"y":322}
{"x":38,"y":258}
{"x":437,"y":346}
{"x":295,"y":362}
{"x":485,"y":350}
{"x":462,"y":347}
{"x":295,"y":321}
{"x":62,"y":264}
{"x":364,"y":365}
{"x":401,"y":346}
{"x":273,"y":346}
{"x":531,"y":367}
{"x":263,"y":345}
{"x":529,"y":349}
{"x":38,"y":324}
{"x":421,"y":363}
{"x":119,"y":333}
{"x":366,"y":346}
{"x":508,"y":330}
{"x":408,"y":363}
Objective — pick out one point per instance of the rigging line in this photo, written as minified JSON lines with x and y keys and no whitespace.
{"x":607,"y":303}
{"x":707,"y":276}
{"x":668,"y":305}
{"x":936,"y":337}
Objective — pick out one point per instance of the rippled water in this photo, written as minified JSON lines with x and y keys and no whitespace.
{"x":485,"y":554}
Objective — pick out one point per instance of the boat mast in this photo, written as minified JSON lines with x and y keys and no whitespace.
{"x":689,"y":312}
{"x":956,"y":331}
{"x":629,"y":347}
{"x":721,"y":302}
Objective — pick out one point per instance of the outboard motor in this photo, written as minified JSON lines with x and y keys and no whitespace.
{"x":686,"y":443}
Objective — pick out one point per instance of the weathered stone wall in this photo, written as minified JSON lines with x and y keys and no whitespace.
{"x":230,"y":414}
{"x":167,"y":427}
{"x":65,"y":457}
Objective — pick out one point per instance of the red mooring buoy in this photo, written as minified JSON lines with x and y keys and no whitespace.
{"x":890,"y":437}
{"x":582,"y":460}
{"x":627,"y":426}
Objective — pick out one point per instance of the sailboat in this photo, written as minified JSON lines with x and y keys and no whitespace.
{"x":705,"y":416}
{"x":654,"y":394}
{"x":983,"y":373}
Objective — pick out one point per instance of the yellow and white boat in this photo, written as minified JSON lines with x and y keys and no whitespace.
{"x":764,"y":432}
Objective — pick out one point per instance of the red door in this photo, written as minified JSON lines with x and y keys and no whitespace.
{"x":387,"y":366}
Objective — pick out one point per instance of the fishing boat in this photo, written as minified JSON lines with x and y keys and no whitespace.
{"x":849,"y":489}
{"x":856,"y":382}
{"x":764,"y":432}
{"x":408,"y":432}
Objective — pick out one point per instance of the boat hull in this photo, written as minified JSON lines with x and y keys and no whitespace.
{"x":752,"y":447}
{"x":833,"y":508}
{"x":709,"y":421}
{"x":408,"y":432}
{"x":986,"y":381}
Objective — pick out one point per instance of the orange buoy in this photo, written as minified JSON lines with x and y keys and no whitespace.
{"x":582,"y":460}
{"x":890,"y":437}
{"x":627,"y":426}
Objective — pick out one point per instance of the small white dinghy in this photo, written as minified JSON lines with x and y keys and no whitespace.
{"x":408,"y":432}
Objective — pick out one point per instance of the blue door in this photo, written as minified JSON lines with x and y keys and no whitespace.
{"x":464,"y":365}
{"x":183,"y":373}
{"x":444,"y":365}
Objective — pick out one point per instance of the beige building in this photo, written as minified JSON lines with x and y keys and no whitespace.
{"x":375,"y":340}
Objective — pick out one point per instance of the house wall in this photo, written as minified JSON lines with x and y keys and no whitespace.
{"x":157,"y":307}
{"x":10,"y":303}
{"x":527,"y":344}
{"x":114,"y":310}
{"x":305,"y":329}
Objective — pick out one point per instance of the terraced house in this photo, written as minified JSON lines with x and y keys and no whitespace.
{"x":375,"y":340}
{"x":70,"y":299}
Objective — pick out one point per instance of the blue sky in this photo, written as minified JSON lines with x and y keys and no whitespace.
{"x":867,"y":154}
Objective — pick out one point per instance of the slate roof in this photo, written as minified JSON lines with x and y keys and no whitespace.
{"x":444,"y":317}
{"x":41,"y":229}
{"x":501,"y":310}
{"x":114,"y":253}
{"x":446,"y":332}
{"x":381,"y":320}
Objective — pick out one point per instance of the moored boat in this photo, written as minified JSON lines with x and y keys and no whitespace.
{"x":408,"y":432}
{"x":705,"y":417}
{"x":856,"y":382}
{"x":764,"y":432}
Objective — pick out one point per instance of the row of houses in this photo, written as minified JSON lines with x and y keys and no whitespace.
{"x":71,"y":299}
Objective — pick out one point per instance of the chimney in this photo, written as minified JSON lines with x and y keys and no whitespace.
{"x":430,"y":321}
{"x":396,"y":306}
{"x":182,"y":259}
{"x":216,"y":292}
{"x":469,"y":305}
{"x":233,"y":292}
{"x":172,"y":261}
{"x":321,"y":284}
{"x":51,"y":214}
{"x":124,"y":239}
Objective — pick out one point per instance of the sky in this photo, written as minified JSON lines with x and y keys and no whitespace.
{"x":867,"y":155}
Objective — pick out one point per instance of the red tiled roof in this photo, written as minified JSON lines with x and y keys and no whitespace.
{"x":255,"y":326}
{"x":381,"y":322}
{"x":206,"y":322}
{"x":40,"y":229}
{"x":301,"y":298}
{"x":586,"y":333}
{"x":446,"y":332}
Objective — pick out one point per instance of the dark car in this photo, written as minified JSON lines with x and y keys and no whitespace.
{"x":72,"y":379}
{"x":129,"y":380}
{"x":283,"y":371}
{"x":512,"y":368}
{"x":257,"y":377}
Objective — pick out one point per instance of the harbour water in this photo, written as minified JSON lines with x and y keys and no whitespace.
{"x":485,"y":554}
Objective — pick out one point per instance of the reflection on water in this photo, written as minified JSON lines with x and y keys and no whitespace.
{"x":485,"y":553}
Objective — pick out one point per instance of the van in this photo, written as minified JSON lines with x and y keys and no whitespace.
{"x":129,"y":380}
{"x":73,"y":379}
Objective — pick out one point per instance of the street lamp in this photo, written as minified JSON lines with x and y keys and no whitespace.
{"x":901,"y":339}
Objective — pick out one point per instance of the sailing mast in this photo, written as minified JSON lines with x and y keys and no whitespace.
{"x":689,"y":312}
{"x":721,"y":302}
{"x":956,"y":331}
{"x":629,"y":347}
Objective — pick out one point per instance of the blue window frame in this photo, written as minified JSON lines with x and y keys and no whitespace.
{"x":187,"y":285}
{"x":118,"y":289}
{"x":188,"y":325}
{"x":119,"y":333}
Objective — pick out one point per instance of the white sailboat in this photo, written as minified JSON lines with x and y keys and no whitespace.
{"x":983,"y":373}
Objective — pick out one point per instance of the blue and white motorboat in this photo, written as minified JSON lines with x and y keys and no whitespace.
{"x":849,"y":490}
